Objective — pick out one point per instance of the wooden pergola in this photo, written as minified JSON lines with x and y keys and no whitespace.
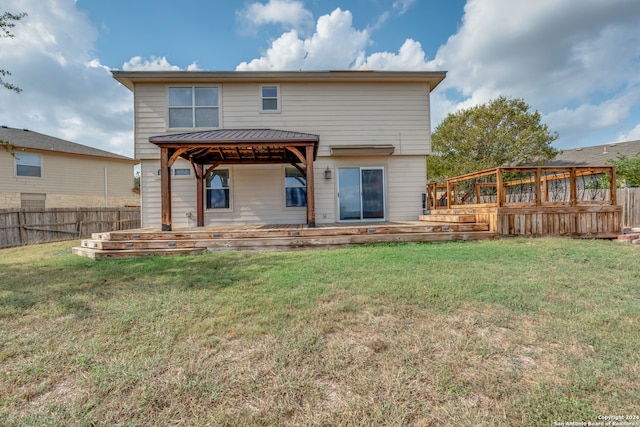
{"x":234,"y":146}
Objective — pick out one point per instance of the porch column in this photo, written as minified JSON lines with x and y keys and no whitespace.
{"x":165,"y":188}
{"x":311,"y":199}
{"x":199,"y":195}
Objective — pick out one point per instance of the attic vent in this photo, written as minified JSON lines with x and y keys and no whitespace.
{"x":4,"y":127}
{"x":578,"y":149}
{"x":26,"y":130}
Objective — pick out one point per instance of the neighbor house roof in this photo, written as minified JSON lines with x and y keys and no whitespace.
{"x":130,"y":78}
{"x":597,"y":155}
{"x":24,"y":138}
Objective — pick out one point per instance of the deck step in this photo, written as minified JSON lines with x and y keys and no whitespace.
{"x":147,"y":243}
{"x":133,"y":253}
{"x":459,"y":218}
{"x":290,"y":243}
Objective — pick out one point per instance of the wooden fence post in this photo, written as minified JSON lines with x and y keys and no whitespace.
{"x":613,"y":184}
{"x":538,"y":189}
{"x":502,"y":197}
{"x":573,"y":185}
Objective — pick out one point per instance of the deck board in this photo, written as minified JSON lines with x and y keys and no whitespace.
{"x":268,"y":237}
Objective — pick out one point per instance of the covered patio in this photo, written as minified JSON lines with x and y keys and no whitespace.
{"x":234,"y":147}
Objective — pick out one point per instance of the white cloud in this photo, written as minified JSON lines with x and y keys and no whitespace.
{"x":573,"y":60}
{"x":409,"y":57}
{"x":137,"y":63}
{"x":66,"y":92}
{"x":631,"y":135}
{"x":285,"y":53}
{"x":401,"y":6}
{"x":335,"y":44}
{"x":288,"y":13}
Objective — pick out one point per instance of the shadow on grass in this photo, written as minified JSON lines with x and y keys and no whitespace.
{"x":72,"y":283}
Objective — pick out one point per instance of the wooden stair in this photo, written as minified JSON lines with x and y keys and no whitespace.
{"x":463,"y":218}
{"x":144,"y":243}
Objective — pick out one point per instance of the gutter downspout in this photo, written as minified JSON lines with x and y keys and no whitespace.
{"x":106,"y":189}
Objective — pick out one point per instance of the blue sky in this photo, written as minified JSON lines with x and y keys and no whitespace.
{"x":575,"y":61}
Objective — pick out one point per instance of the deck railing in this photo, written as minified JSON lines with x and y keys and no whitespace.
{"x":526,"y":187}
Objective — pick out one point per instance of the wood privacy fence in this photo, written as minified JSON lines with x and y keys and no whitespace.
{"x":629,"y":198}
{"x":27,"y":226}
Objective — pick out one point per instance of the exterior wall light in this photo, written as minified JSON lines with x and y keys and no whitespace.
{"x":327,"y":173}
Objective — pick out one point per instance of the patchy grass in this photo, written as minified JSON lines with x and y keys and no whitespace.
{"x":521,"y":332}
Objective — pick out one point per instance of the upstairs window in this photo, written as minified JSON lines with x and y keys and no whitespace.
{"x":270,"y":101}
{"x":295,"y":185}
{"x":28,"y":164}
{"x":194,"y":107}
{"x":218,"y":189}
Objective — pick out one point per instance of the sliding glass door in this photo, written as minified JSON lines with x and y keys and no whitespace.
{"x":361,"y":194}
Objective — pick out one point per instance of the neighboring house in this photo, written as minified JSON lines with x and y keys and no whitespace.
{"x":280,"y":147}
{"x":597,"y":155}
{"x":40,"y":171}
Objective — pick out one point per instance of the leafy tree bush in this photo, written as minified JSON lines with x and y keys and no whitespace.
{"x":628,"y":169}
{"x":502,"y":132}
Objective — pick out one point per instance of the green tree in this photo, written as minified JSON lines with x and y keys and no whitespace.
{"x":502,"y":132}
{"x":7,"y":22}
{"x":628,"y":169}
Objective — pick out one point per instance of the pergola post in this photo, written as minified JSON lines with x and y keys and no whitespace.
{"x":199,"y":195}
{"x":311,"y":204}
{"x":165,"y":188}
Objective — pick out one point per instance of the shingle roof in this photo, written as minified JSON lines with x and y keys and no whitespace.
{"x":596,"y":155}
{"x":23,"y":138}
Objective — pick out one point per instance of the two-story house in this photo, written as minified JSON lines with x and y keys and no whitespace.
{"x":280,"y":147}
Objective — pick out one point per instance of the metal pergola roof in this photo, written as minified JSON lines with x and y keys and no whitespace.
{"x":235,"y":146}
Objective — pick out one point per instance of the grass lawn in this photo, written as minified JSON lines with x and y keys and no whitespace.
{"x":526,"y":332}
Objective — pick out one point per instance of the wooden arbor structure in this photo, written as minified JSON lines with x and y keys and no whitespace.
{"x":234,"y":146}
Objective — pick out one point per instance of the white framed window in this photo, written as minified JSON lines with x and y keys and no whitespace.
{"x":178,"y":172}
{"x":29,"y":165}
{"x":194,"y":107}
{"x":270,"y":98}
{"x":218,"y":189}
{"x":295,"y":187}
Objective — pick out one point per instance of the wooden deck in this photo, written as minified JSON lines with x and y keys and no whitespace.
{"x":533,"y":201}
{"x":152,"y":242}
{"x":523,"y":201}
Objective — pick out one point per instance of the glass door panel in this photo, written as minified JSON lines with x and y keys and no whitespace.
{"x":372,"y":194}
{"x":349,"y":193}
{"x":361,"y":194}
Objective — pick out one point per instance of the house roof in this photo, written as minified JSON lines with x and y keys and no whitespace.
{"x":597,"y":155}
{"x":130,"y":78}
{"x":239,"y":145}
{"x":24,"y":138}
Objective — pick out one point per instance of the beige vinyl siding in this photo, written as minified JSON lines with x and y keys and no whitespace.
{"x":342,"y":114}
{"x":72,"y":180}
{"x":405,"y":184}
{"x":150,"y":118}
{"x":183,"y":194}
{"x":258,"y":194}
{"x":257,"y":197}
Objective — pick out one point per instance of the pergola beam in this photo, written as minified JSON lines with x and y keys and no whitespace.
{"x":286,"y":147}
